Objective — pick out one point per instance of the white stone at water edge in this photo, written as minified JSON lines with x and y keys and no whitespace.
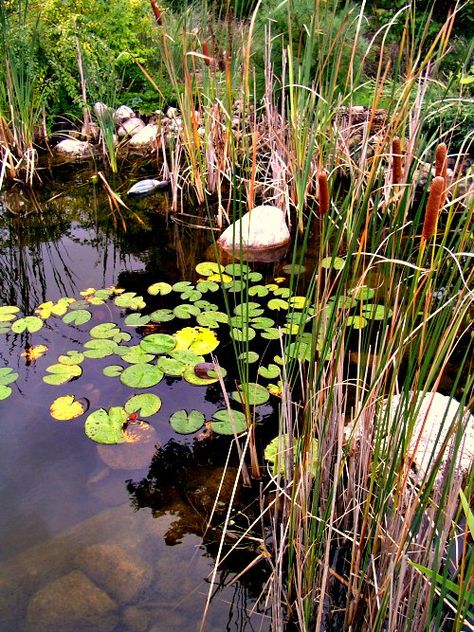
{"x":74,"y":148}
{"x":262,"y":227}
{"x":123,"y":113}
{"x":146,"y":136}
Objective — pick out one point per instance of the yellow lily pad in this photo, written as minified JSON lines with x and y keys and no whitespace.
{"x":66,"y":407}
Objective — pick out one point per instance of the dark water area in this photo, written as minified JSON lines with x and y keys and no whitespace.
{"x":87,"y":546}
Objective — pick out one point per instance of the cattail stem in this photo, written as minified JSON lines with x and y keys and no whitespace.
{"x":323,"y":192}
{"x":396,"y":161}
{"x":433,"y":206}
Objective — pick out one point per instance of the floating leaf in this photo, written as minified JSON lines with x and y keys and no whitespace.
{"x":271,"y":334}
{"x":90,"y":291}
{"x":7,"y":376}
{"x":343,"y":302}
{"x":337,"y":263}
{"x":130,"y":300}
{"x":4,"y":328}
{"x":77,"y":317}
{"x":8,"y":312}
{"x":161,"y":315}
{"x":249,"y":309}
{"x":104,"y":426}
{"x":141,"y":375}
{"x":208,"y":370}
{"x":29,"y":323}
{"x":112,"y":370}
{"x":105,"y":293}
{"x":272,"y":287}
{"x":186,"y":357}
{"x":190,"y":376}
{"x":191,"y":295}
{"x":61,"y":373}
{"x":199,"y":340}
{"x":136,"y":320}
{"x":270,"y":372}
{"x":252,"y":394}
{"x":237,"y":269}
{"x":357,"y":322}
{"x":249,"y":356}
{"x":212,"y":319}
{"x":170,"y":366}
{"x":239,"y":321}
{"x":147,"y":404}
{"x":186,"y":423}
{"x":33,"y":353}
{"x":291,"y":329}
{"x":262,"y":322}
{"x":280,"y":454}
{"x":206,"y":268}
{"x":135,"y":354}
{"x":258,"y":290}
{"x":81,"y":304}
{"x":100,"y":348}
{"x":300,"y":350}
{"x":104,"y":330}
{"x":277,"y":303}
{"x":375,"y":312}
{"x":235,"y":286}
{"x":5,"y":391}
{"x":275,"y":389}
{"x":297,"y":318}
{"x":254,"y":277}
{"x":206,"y":306}
{"x":225,"y":278}
{"x":185,"y":311}
{"x":228,"y":422}
{"x":243,"y":335}
{"x":182,"y":286}
{"x":298,"y":302}
{"x":293,"y":268}
{"x":158,"y":343}
{"x":71,"y":357}
{"x":66,"y":407}
{"x":283,"y":292}
{"x":207,"y":286}
{"x":45,"y":310}
{"x":161,"y":288}
{"x":363,"y":293}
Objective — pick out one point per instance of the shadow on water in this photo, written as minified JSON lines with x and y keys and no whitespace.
{"x":86,"y":546}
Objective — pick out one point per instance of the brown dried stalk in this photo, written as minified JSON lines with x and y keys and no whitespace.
{"x":323,"y":192}
{"x":435,"y":199}
{"x":397,"y":161}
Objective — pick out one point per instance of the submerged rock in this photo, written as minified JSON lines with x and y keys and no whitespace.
{"x":71,"y":603}
{"x":74,"y":148}
{"x":262,"y":228}
{"x":145,"y":187}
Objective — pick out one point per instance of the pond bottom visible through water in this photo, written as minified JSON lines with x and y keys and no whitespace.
{"x":86,"y":547}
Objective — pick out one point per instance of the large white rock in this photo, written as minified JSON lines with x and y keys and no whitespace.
{"x":131,"y":126}
{"x":145,"y":137}
{"x":262,"y":227}
{"x":123,"y":113}
{"x":74,"y":148}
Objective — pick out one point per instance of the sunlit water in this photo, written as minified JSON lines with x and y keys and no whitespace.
{"x":82,"y":547}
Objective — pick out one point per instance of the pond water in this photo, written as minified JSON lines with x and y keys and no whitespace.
{"x":86,"y":545}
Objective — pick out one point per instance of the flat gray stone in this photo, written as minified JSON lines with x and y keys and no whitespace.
{"x":74,"y":148}
{"x":71,"y":603}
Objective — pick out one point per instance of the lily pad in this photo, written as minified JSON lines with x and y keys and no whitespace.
{"x":271,"y":334}
{"x":282,"y":292}
{"x":254,"y":277}
{"x":187,"y":423}
{"x":243,"y":335}
{"x":61,"y":373}
{"x":206,"y":268}
{"x":141,"y":375}
{"x":136,"y":320}
{"x":199,"y":340}
{"x":262,"y":322}
{"x":249,"y":356}
{"x":147,"y":404}
{"x":280,"y":454}
{"x":208,"y":370}
{"x":104,"y":426}
{"x":71,"y":357}
{"x":270,"y":372}
{"x":228,"y":422}
{"x":207,"y":286}
{"x":300,"y":350}
{"x":237,"y":269}
{"x":298,"y":302}
{"x":185,"y":311}
{"x":47,"y":309}
{"x":162,"y":315}
{"x":357,"y":322}
{"x":161,"y":288}
{"x":363,"y":293}
{"x":158,"y":343}
{"x":212,"y":319}
{"x":77,"y":317}
{"x":135,"y":354}
{"x":337,"y":263}
{"x":170,"y":366}
{"x":130,"y":300}
{"x":66,"y":407}
{"x":29,"y":323}
{"x":277,"y":303}
{"x":256,"y":394}
{"x":343,"y":302}
{"x":249,"y":309}
{"x":191,"y":295}
{"x":236,"y":285}
{"x":218,"y":278}
{"x":375,"y":312}
{"x":8,"y":312}
{"x":5,"y":391}
{"x":104,"y":330}
{"x":258,"y":290}
{"x":113,"y":370}
{"x":135,"y":451}
{"x":182,"y":286}
{"x":206,"y":306}
{"x":190,"y":376}
{"x":7,"y":376}
{"x":100,"y":348}
{"x":186,"y":357}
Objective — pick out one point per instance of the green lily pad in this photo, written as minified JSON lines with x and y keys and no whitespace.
{"x":162,"y":315}
{"x":228,"y":422}
{"x":270,"y":372}
{"x":130,"y":300}
{"x":61,"y":373}
{"x":190,"y":376}
{"x":136,"y":320}
{"x":182,"y":286}
{"x":161,"y":288}
{"x":170,"y":366}
{"x":206,"y":306}
{"x":5,"y":391}
{"x":243,"y":335}
{"x":262,"y":322}
{"x":187,"y":423}
{"x":237,"y":285}
{"x":4,"y":328}
{"x":363,"y":293}
{"x":104,"y":330}
{"x":104,"y":294}
{"x":29,"y":323}
{"x":375,"y":312}
{"x":278,"y":453}
{"x":100,"y":348}
{"x":191,"y":295}
{"x":71,"y":357}
{"x":207,"y":286}
{"x":255,"y":393}
{"x":185,"y":311}
{"x":342,"y":302}
{"x":7,"y":376}
{"x":357,"y":322}
{"x":146,"y":404}
{"x":271,"y":334}
{"x":113,"y":370}
{"x":237,"y":269}
{"x":8,"y":312}
{"x":200,"y":340}
{"x":135,"y":354}
{"x":66,"y":408}
{"x":258,"y":290}
{"x":206,"y":268}
{"x":249,"y":309}
{"x":298,"y":302}
{"x":239,"y":321}
{"x":158,"y":343}
{"x":249,"y":356}
{"x":104,"y":426}
{"x":77,"y":317}
{"x":212,"y":319}
{"x":282,"y":292}
{"x":278,"y":304}
{"x":337,"y":263}
{"x":254,"y":277}
{"x":141,"y":375}
{"x":299,"y":350}
{"x":186,"y":357}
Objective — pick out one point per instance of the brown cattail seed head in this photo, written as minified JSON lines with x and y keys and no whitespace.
{"x":157,"y":13}
{"x":397,"y":161}
{"x":441,"y":160}
{"x":323,"y":192}
{"x":435,"y":199}
{"x":205,"y":52}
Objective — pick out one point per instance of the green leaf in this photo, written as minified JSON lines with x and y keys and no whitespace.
{"x":190,"y":376}
{"x":161,"y":315}
{"x":8,"y":312}
{"x":186,"y":423}
{"x":141,"y":375}
{"x":191,"y":295}
{"x":71,"y":357}
{"x":185,"y":311}
{"x":298,"y":302}
{"x":235,"y":286}
{"x":293,"y":268}
{"x":104,"y":330}
{"x":130,"y":300}
{"x":77,"y":317}
{"x":299,"y":350}
{"x":249,"y":356}
{"x":254,"y":277}
{"x":5,"y":391}
{"x":228,"y":422}
{"x":100,"y":348}
{"x":278,"y":452}
{"x":270,"y":372}
{"x":249,"y":309}
{"x":161,"y":288}
{"x":261,"y":322}
{"x":186,"y":357}
{"x":283,"y":292}
{"x":252,"y":394}
{"x":363,"y":293}
{"x":277,"y":303}
{"x":212,"y":319}
{"x":337,"y":263}
{"x":375,"y":312}
{"x":30,"y":323}
{"x":136,"y":320}
{"x":79,"y":305}
{"x":357,"y":322}
{"x":8,"y":376}
{"x":271,"y":334}
{"x":66,"y":407}
{"x":112,"y":370}
{"x":135,"y":354}
{"x":182,"y":286}
{"x":158,"y":343}
{"x":237,"y":269}
{"x":243,"y":335}
{"x":206,"y":306}
{"x":61,"y":373}
{"x":147,"y":404}
{"x":170,"y":366}
{"x":342,"y":302}
{"x":258,"y":290}
{"x":104,"y":426}
{"x":206,"y":268}
{"x":199,"y":340}
{"x":207,"y":286}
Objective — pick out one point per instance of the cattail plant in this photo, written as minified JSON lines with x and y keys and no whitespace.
{"x":441,"y":160}
{"x":396,"y":161}
{"x":433,"y":206}
{"x":156,"y":12}
{"x":323,"y":193}
{"x":205,"y":52}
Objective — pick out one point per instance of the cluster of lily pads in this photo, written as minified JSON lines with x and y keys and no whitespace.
{"x":255,"y":311}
